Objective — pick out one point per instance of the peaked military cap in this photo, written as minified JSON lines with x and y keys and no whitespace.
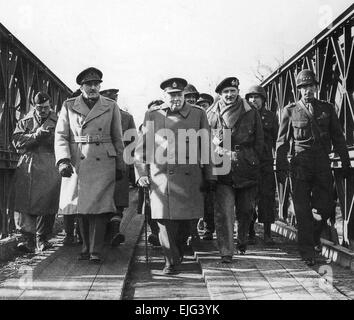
{"x":204,"y":97}
{"x":226,"y":83}
{"x":109,"y":92}
{"x":41,"y":97}
{"x":306,"y":77}
{"x":173,"y":85}
{"x":89,"y":74}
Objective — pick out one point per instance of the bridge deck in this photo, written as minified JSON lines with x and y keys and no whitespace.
{"x":271,"y":273}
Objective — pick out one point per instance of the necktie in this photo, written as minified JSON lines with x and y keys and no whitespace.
{"x":310,"y":108}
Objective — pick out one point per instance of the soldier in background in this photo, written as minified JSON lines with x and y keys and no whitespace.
{"x":121,"y":192}
{"x":257,"y":97}
{"x":205,"y":101}
{"x":313,"y":128}
{"x":191,"y":94}
{"x":36,"y":182}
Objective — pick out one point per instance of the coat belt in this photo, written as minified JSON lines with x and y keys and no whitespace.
{"x":91,"y":139}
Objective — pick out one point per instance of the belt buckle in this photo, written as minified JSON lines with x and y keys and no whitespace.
{"x":237,"y":148}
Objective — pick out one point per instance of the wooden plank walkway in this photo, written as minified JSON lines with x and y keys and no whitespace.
{"x":271,"y":273}
{"x":58,"y":275}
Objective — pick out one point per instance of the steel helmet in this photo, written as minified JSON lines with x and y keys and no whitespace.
{"x":306,"y":77}
{"x":256,"y":90}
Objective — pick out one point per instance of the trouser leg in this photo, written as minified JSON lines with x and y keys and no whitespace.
{"x":168,"y":234}
{"x":225,"y":218}
{"x":305,"y":222}
{"x":209,"y":212}
{"x":83,"y":220}
{"x":97,"y":228}
{"x":182,"y":235}
{"x":245,"y":207}
{"x":69,"y":225}
{"x":44,"y":226}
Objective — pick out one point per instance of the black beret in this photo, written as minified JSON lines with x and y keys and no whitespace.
{"x":226,"y":83}
{"x":89,"y":74}
{"x":173,"y":85}
{"x":41,"y":97}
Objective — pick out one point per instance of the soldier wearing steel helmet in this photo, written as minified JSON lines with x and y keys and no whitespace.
{"x":191,"y":94}
{"x":313,"y":128}
{"x":257,"y":97}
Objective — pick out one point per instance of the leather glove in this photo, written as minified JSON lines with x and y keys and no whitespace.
{"x":42,"y":133}
{"x":346,"y":171}
{"x":66,"y":169}
{"x":119,"y":175}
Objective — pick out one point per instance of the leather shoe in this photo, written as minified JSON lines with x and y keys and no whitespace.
{"x":310,"y":262}
{"x":83,"y":256}
{"x":94,"y":257}
{"x":169,"y":270}
{"x":208,"y":235}
{"x":226,"y":259}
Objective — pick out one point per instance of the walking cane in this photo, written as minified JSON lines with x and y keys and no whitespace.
{"x":145,"y":205}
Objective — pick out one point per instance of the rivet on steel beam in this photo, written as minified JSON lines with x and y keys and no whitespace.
{"x":314,"y":42}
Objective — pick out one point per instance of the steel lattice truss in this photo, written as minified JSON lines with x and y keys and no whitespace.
{"x":22,"y":75}
{"x":331,"y":56}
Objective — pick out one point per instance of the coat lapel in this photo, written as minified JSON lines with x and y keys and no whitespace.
{"x":80,"y":106}
{"x":99,"y":108}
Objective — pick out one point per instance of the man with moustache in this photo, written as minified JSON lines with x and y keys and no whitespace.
{"x":175,"y":195}
{"x":89,"y":155}
{"x":313,"y":128}
{"x":238,"y":188}
{"x":257,"y":97}
{"x":37,"y":182}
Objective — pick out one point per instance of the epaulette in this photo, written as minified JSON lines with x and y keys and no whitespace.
{"x":109,"y":99}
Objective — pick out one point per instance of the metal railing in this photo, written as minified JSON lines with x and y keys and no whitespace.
{"x":22,"y":74}
{"x":331,"y":56}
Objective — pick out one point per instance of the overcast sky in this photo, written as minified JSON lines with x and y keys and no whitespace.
{"x":139,"y":43}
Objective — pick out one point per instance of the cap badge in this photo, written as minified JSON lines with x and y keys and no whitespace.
{"x":174,"y":85}
{"x":233,"y":82}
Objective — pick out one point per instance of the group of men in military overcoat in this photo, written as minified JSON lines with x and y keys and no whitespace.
{"x":196,"y":157}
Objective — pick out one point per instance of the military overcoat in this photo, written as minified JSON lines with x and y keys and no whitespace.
{"x":36,"y":181}
{"x":175,"y":189}
{"x":90,"y":189}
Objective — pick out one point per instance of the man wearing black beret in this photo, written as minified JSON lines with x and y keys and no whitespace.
{"x":89,"y":155}
{"x":238,"y":188}
{"x":37,"y":182}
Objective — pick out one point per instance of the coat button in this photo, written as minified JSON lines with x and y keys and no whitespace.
{"x":98,"y":159}
{"x":100,"y":129}
{"x":97,"y":143}
{"x":171,"y":172}
{"x":82,"y":157}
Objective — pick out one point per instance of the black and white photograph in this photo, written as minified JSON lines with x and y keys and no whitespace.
{"x":177,"y":156}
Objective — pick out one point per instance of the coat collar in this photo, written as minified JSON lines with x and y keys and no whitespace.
{"x":30,"y":115}
{"x":99,"y":108}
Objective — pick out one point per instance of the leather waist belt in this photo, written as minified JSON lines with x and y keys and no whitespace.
{"x":91,"y":139}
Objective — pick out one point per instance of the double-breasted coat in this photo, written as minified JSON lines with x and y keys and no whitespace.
{"x":121,"y":193}
{"x":92,"y":141}
{"x":36,"y":181}
{"x":175,"y":189}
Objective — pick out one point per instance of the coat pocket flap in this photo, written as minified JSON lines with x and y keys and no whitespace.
{"x":111,"y":151}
